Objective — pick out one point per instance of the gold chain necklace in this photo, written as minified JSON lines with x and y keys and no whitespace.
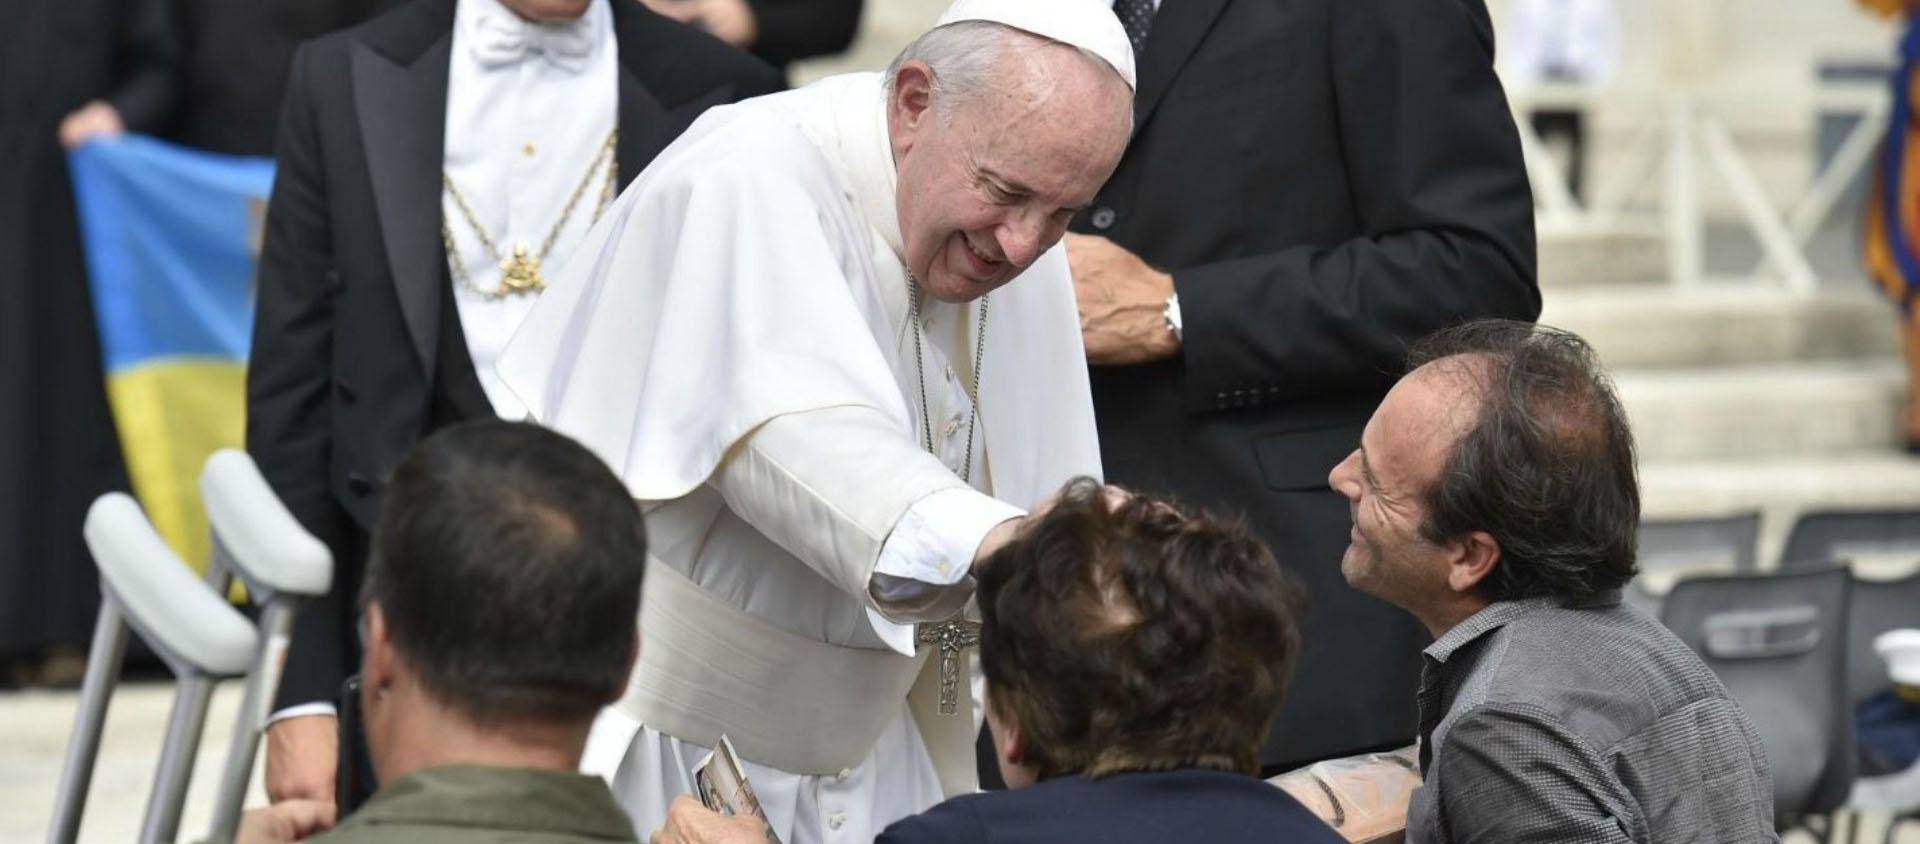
{"x":520,"y":272}
{"x":920,"y":374}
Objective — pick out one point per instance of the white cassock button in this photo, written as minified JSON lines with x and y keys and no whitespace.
{"x":953,"y":425}
{"x":847,"y":772}
{"x":950,"y":378}
{"x":836,"y":820}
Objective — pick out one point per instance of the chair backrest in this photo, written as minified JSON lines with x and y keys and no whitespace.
{"x":192,"y":628}
{"x":1866,"y":538}
{"x":1671,"y":549}
{"x":1778,"y":643}
{"x":256,"y":535}
{"x":1878,"y":606}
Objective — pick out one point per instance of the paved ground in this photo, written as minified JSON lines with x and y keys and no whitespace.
{"x":35,"y":726}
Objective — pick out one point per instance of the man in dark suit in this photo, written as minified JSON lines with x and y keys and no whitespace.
{"x":430,"y":162}
{"x":780,"y":32}
{"x":1133,"y":653}
{"x":235,"y":56}
{"x":1311,"y":185}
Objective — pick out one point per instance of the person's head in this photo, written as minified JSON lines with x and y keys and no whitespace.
{"x":501,"y":589}
{"x":548,"y":11}
{"x":1125,"y":633}
{"x":1501,"y":467}
{"x":999,"y":136}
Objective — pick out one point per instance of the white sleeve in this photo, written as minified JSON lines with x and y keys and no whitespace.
{"x":297,"y":710}
{"x":935,"y":541}
{"x":841,"y":489}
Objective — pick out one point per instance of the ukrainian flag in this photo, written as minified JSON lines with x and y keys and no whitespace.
{"x":171,"y":238}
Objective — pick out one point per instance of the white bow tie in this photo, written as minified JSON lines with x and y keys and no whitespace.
{"x":501,"y":38}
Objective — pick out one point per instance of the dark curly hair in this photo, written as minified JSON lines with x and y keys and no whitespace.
{"x":1136,"y":636}
{"x":1547,"y":467}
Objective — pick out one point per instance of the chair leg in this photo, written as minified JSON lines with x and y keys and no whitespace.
{"x":162,"y":821}
{"x":96,"y":691}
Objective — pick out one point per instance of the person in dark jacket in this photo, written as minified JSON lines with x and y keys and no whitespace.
{"x":70,"y":71}
{"x":780,"y":32}
{"x":1311,"y":186}
{"x":235,"y":59}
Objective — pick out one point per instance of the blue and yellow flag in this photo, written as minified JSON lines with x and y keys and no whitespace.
{"x":171,"y":240}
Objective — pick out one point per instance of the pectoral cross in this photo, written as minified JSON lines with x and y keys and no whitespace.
{"x":950,"y":637}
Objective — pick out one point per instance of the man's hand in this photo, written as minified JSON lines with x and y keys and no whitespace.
{"x":688,"y":822}
{"x":1000,"y":535}
{"x":731,"y":21}
{"x":93,"y":119}
{"x":1122,"y":302}
{"x":302,"y":753}
{"x":285,"y":822}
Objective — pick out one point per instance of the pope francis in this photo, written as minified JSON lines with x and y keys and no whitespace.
{"x":829,"y":340}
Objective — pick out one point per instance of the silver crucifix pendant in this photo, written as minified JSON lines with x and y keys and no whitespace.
{"x":950,"y":637}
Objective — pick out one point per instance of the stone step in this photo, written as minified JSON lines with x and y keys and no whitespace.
{"x":1654,"y":326}
{"x":1587,"y":256}
{"x":1781,"y":489}
{"x":1764,"y":410}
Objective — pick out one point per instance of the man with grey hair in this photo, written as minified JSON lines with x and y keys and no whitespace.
{"x":795,"y":339}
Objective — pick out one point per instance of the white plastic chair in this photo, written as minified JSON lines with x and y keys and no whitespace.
{"x":256,"y":538}
{"x":202,"y":639}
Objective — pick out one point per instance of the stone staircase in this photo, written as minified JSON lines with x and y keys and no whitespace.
{"x":1742,"y":396}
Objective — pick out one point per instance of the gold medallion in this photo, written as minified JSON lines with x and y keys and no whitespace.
{"x":521,"y":272}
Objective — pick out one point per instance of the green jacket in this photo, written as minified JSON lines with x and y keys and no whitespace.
{"x":475,"y":803}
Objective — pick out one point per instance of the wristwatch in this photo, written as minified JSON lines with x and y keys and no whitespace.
{"x":1172,"y":312}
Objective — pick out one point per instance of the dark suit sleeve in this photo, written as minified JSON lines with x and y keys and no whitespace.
{"x":1433,"y":163}
{"x":687,"y":69}
{"x":144,"y":57}
{"x":789,"y":30}
{"x":289,"y":430}
{"x":952,"y":822}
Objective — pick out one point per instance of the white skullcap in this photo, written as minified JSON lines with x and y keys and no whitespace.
{"x":1901,"y":650}
{"x":1087,"y":24}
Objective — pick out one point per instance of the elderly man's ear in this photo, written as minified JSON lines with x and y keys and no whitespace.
{"x":1473,"y":559}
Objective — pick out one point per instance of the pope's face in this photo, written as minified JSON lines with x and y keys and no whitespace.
{"x":988,"y":184}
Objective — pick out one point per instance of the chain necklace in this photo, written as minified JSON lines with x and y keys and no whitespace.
{"x":914,"y":294}
{"x":520,"y":272}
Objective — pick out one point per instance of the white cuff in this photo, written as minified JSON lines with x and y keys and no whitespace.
{"x":935,"y":540}
{"x":297,"y":710}
{"x":924,"y":572}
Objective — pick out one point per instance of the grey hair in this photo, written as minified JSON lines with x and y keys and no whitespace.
{"x":965,"y":57}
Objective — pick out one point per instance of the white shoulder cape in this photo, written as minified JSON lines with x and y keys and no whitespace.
{"x":733,"y":282}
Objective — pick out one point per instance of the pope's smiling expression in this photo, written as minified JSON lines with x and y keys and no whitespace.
{"x":987,"y":184}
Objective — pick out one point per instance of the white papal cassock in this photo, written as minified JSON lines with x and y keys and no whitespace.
{"x":733,"y":339}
